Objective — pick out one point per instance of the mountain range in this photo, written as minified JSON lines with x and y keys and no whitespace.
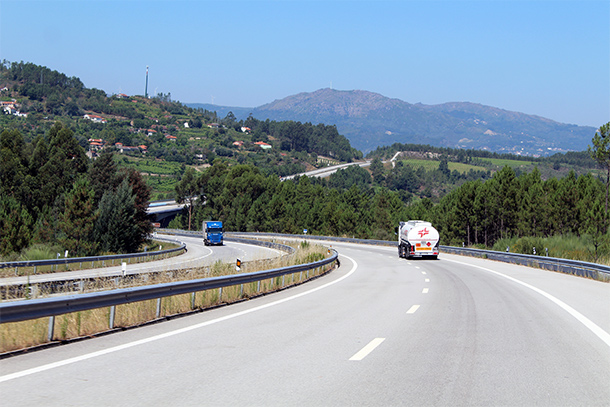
{"x":370,"y":120}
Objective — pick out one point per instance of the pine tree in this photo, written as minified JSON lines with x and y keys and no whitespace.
{"x":141,"y":193}
{"x":600,"y":152}
{"x":15,"y":225}
{"x":188,"y":190}
{"x":115,"y":229}
{"x":78,"y":220}
{"x":12,"y":163}
{"x":103,"y":174}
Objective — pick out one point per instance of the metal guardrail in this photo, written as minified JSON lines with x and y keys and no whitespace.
{"x":594,"y":271}
{"x":55,"y":284}
{"x":580,"y":268}
{"x":30,"y":309}
{"x":71,"y":260}
{"x":47,"y":307}
{"x":230,"y":238}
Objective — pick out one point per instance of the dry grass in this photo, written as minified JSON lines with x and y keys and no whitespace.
{"x":21,"y":335}
{"x":48,"y":269}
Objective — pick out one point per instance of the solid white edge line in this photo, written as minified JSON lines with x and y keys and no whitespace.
{"x":598,"y":331}
{"x":364,"y":352}
{"x":102,"y":352}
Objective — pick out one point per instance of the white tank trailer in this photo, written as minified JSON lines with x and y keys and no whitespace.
{"x":417,"y":238}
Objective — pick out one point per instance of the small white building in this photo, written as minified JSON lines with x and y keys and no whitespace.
{"x":95,"y":118}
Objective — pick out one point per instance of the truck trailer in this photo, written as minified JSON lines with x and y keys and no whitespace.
{"x":417,"y":238}
{"x":212,"y":233}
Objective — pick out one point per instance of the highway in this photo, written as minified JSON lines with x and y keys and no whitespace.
{"x":197,"y":255}
{"x":378,"y":331}
{"x":327,"y":171}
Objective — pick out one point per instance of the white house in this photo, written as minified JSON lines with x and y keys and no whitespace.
{"x":95,"y":118}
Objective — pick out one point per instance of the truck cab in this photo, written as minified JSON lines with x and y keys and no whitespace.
{"x":213,"y":233}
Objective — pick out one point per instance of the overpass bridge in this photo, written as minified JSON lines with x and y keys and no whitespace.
{"x":162,"y":212}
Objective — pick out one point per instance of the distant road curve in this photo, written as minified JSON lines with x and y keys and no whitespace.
{"x":197,"y":255}
{"x":326,"y":171}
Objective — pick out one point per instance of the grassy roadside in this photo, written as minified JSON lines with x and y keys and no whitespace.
{"x":42,"y":252}
{"x":32,"y":333}
{"x":580,"y":248}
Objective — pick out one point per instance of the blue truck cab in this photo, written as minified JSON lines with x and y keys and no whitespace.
{"x":212,"y":233}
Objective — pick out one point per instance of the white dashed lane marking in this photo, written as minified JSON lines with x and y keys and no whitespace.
{"x":413,"y":309}
{"x":364,"y":352}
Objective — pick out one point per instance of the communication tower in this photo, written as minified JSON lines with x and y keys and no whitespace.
{"x":146,"y":89}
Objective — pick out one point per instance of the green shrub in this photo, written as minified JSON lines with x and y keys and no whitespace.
{"x":42,"y":252}
{"x":526,"y":245}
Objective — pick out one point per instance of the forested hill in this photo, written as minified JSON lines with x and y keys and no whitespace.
{"x":370,"y":120}
{"x":165,"y":128}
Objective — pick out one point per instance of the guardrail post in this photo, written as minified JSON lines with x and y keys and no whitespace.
{"x":283,"y":279}
{"x":258,"y":287}
{"x":51,"y":328}
{"x":112,"y":315}
{"x":220,"y":295}
{"x":241,"y":291}
{"x":192,"y":300}
{"x":158,"y":313}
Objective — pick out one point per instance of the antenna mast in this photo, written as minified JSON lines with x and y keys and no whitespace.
{"x":146,"y":89}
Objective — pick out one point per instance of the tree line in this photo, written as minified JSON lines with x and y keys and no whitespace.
{"x":506,"y":205}
{"x":477,"y":157}
{"x":50,"y":192}
{"x":478,"y":212}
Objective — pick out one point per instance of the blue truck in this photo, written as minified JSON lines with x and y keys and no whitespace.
{"x":212,"y":233}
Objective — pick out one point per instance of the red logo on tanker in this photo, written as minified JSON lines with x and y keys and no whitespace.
{"x":423,"y":232}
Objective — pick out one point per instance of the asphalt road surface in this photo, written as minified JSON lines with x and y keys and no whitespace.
{"x":378,"y":331}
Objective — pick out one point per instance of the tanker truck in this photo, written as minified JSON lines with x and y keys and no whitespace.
{"x":417,"y":238}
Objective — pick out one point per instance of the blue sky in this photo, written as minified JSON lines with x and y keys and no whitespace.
{"x":548,"y":58}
